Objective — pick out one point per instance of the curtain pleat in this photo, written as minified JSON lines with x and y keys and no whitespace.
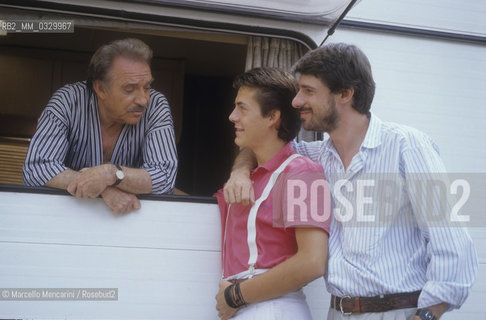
{"x":272,"y":52}
{"x":277,"y":53}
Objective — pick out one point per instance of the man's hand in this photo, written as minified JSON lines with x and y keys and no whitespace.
{"x":120,"y":202}
{"x":224,"y":311}
{"x":91,"y":182}
{"x":239,"y":188}
{"x":438,"y":310}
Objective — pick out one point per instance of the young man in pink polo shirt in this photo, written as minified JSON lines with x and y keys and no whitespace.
{"x":272,"y":249}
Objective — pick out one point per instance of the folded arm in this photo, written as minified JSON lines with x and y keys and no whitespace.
{"x":91,"y":182}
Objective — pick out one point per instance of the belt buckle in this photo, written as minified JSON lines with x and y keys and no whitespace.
{"x":341,"y":305}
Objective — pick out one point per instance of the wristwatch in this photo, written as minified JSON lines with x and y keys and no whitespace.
{"x":425,"y":314}
{"x":119,"y":175}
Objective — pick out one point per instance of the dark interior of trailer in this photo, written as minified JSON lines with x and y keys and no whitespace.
{"x":193,"y":69}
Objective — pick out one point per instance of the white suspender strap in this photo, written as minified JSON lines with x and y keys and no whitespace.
{"x":251,"y":224}
{"x":224,"y":240}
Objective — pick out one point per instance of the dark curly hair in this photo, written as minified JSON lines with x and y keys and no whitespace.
{"x":341,"y":66}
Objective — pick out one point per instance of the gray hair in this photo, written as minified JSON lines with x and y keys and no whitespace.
{"x":102,"y":59}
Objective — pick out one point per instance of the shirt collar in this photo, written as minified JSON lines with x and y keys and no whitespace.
{"x":373,"y":137}
{"x":272,"y":164}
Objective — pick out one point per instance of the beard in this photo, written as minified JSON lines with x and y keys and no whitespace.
{"x":325,"y":122}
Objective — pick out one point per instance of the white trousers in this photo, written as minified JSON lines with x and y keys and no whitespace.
{"x":399,"y":314}
{"x":291,"y":306}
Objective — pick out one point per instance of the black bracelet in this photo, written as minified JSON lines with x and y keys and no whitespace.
{"x":233,"y":296}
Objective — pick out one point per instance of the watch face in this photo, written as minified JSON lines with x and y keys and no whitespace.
{"x":120,"y":175}
{"x":426,"y":315}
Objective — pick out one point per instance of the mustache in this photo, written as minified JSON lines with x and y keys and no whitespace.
{"x":303,"y":109}
{"x":137,"y":108}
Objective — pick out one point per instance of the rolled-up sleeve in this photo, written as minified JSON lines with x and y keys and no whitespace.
{"x":159,"y":150}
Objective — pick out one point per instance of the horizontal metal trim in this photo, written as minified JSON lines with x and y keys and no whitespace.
{"x":46,"y":190}
{"x":313,"y":19}
{"x":121,"y":14}
{"x":417,"y":32}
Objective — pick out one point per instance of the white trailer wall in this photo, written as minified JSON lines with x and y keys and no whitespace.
{"x":457,"y":16}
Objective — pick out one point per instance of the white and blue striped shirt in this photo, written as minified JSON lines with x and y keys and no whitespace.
{"x":403,"y":250}
{"x":68,"y":135}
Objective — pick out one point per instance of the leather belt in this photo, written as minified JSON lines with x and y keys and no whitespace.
{"x":348,"y":305}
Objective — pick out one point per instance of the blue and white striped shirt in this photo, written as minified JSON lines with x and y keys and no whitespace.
{"x":68,"y":135}
{"x":403,"y":250}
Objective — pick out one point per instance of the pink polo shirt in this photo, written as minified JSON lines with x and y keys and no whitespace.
{"x":275,"y":233}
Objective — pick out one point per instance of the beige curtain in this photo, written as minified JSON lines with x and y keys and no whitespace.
{"x":272,"y":52}
{"x":278,"y":53}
